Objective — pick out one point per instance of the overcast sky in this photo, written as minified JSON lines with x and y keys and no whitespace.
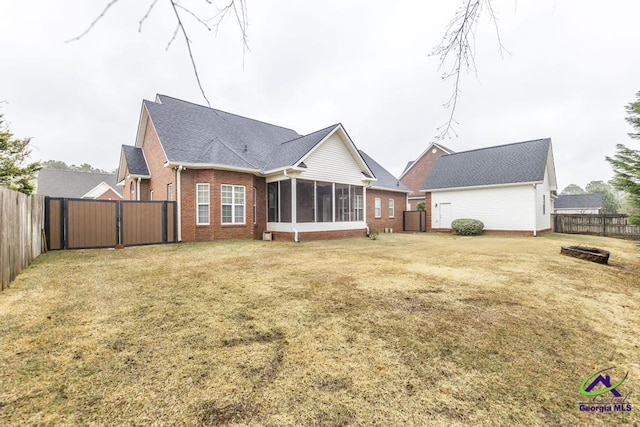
{"x":573,"y":66}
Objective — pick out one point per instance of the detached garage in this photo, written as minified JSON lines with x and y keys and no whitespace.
{"x":510,"y":188}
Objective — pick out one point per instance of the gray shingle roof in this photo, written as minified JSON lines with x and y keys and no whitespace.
{"x":63,"y":183}
{"x":504,"y":164}
{"x":578,"y":201}
{"x":191,"y":133}
{"x":384,"y":178}
{"x":136,"y":162}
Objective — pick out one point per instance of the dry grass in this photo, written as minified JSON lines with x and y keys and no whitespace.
{"x":405,"y":330}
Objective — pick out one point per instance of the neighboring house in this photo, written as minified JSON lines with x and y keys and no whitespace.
{"x":78,"y":185}
{"x":235,"y":177}
{"x":417,"y":171}
{"x":510,"y":188}
{"x":578,"y":204}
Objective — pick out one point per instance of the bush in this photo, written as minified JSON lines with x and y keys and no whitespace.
{"x":421,"y":206}
{"x":467,"y":226}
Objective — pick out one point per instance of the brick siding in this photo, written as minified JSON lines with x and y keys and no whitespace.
{"x":379,"y":224}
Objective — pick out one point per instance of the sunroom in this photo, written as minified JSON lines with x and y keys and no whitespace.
{"x":302,"y":205}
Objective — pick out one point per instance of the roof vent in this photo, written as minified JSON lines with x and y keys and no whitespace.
{"x":302,"y":165}
{"x":246,"y":148}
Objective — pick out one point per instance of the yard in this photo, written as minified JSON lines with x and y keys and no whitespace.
{"x":405,"y":330}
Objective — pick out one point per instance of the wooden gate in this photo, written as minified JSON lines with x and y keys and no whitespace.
{"x":82,"y":223}
{"x":414,"y":221}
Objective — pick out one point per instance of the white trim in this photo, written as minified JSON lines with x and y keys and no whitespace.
{"x":198,"y":204}
{"x":350,"y":146}
{"x":233,"y":204}
{"x":377,"y":204}
{"x":391,"y":207}
{"x":94,"y":193}
{"x":392,"y":189}
{"x":303,"y":227}
{"x":512,"y":184}
{"x":179,"y":201}
{"x":211,"y":166}
{"x":144,"y":107}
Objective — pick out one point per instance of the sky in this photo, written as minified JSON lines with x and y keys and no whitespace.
{"x":568,"y":71}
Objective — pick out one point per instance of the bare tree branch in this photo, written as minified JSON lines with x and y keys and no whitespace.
{"x":458,"y":42}
{"x":173,"y":37}
{"x":237,"y":7}
{"x":188,"y":42}
{"x":146,"y":15}
{"x":95,"y":21}
{"x":196,"y":17}
{"x":241,"y":19}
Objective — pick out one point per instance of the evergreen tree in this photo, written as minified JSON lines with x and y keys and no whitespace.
{"x":626,"y":163}
{"x":15,"y":173}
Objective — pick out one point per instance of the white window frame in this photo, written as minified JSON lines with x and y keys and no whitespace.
{"x":392,"y":208}
{"x":358,"y":209}
{"x":206,"y":203}
{"x":234,"y":189}
{"x":170,"y":192}
{"x":377,"y":207}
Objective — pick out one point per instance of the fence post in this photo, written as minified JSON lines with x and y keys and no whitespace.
{"x":164,"y":222}
{"x":64,"y":218}
{"x":119,"y":237}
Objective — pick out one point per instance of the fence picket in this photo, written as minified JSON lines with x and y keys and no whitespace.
{"x":21,"y":224}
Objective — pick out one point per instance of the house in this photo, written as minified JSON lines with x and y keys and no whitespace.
{"x":78,"y":185}
{"x":510,"y":188}
{"x":237,"y":178}
{"x":417,"y":171}
{"x":578,"y":204}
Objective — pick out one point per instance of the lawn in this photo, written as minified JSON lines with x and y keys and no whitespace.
{"x":410,"y":329}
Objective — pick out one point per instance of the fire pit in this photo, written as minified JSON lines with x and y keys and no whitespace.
{"x":589,"y":254}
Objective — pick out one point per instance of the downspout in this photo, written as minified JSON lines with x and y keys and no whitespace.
{"x":138,"y":189}
{"x":535,"y":211}
{"x":179,"y":200}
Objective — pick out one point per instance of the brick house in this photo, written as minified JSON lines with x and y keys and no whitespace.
{"x":237,"y":178}
{"x":417,"y":171}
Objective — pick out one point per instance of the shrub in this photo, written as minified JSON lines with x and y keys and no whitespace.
{"x":467,"y":226}
{"x":421,"y":206}
{"x":373,"y":234}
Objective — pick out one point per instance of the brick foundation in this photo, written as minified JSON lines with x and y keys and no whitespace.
{"x":282,"y":236}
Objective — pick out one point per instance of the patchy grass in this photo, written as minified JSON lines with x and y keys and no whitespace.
{"x":404,"y":330}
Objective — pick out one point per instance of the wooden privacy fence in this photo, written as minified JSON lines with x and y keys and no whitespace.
{"x":21,"y":225}
{"x":414,"y":221}
{"x":602,"y":225}
{"x":82,"y":223}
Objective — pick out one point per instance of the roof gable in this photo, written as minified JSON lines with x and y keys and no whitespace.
{"x":99,"y":190}
{"x":72,"y":184}
{"x":521,"y":162}
{"x":424,"y":153}
{"x":194,"y":134}
{"x":333,"y":157}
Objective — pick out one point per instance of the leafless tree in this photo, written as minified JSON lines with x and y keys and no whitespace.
{"x":456,"y":52}
{"x":233,"y":9}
